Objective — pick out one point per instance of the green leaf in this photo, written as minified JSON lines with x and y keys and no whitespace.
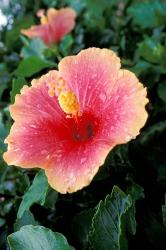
{"x":17,"y":85}
{"x":37,"y":238}
{"x":50,"y":3}
{"x":108,"y":228}
{"x":2,"y":88}
{"x":12,"y":36}
{"x":26,"y":219}
{"x":141,"y":67}
{"x":32,"y":65}
{"x":151,"y":50}
{"x":164,"y":212}
{"x":148,"y":14}
{"x":3,"y":134}
{"x":34,"y":47}
{"x":35,"y":194}
{"x":2,"y":222}
{"x":136,"y":192}
{"x":97,"y":6}
{"x":152,"y":131}
{"x":65,"y":45}
{"x":51,"y":198}
{"x":155,"y":231}
{"x":94,"y":18}
{"x":4,"y":78}
{"x":77,"y":5}
{"x":162,"y":91}
{"x":81,"y":225}
{"x":161,"y":178}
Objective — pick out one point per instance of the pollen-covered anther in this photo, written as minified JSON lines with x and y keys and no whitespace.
{"x":42,"y":16}
{"x":69,"y":103}
{"x":52,"y":89}
{"x":55,"y":88}
{"x":44,"y":20}
{"x":61,"y":86}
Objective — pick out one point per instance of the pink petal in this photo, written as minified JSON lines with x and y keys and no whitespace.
{"x":58,"y":24}
{"x":61,"y":22}
{"x":125,"y":112}
{"x":37,"y":117}
{"x":91,"y":75}
{"x":74,"y":167}
{"x":42,"y":31}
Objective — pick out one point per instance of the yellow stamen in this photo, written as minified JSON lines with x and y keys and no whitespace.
{"x":52,"y":87}
{"x":43,"y":19}
{"x":51,"y":92}
{"x":61,"y":81}
{"x":67,"y":99}
{"x":68,"y":102}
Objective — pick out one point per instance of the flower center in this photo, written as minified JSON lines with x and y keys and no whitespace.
{"x":66,"y":98}
{"x":84,"y":133}
{"x":84,"y":127}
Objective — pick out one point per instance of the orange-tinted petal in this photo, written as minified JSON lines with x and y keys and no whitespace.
{"x":54,"y":26}
{"x":125,"y":112}
{"x":74,"y":167}
{"x":61,"y":22}
{"x":41,"y":31}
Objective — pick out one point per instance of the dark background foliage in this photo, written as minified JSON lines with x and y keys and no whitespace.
{"x":136,"y":31}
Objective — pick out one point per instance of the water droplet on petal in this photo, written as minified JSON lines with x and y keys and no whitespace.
{"x":96,"y":123}
{"x":123,"y":112}
{"x":128,"y":138}
{"x":17,"y":149}
{"x":72,"y":177}
{"x":102,"y":97}
{"x":117,"y":98}
{"x":43,"y":152}
{"x":93,"y":76}
{"x":115,"y":117}
{"x":48,"y":157}
{"x":125,"y":97}
{"x":125,"y":130}
{"x":90,"y":172}
{"x":112,"y":128}
{"x":83,"y":160}
{"x":32,"y":126}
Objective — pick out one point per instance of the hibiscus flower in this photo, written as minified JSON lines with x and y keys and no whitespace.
{"x":54,"y":26}
{"x":68,"y":120}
